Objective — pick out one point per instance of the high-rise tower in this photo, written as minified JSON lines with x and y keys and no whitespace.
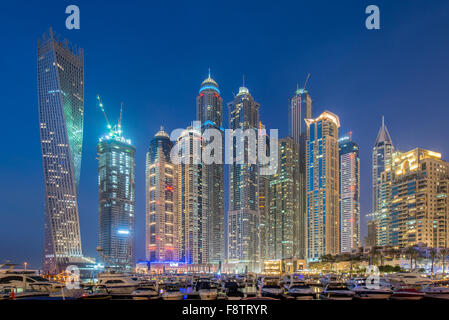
{"x":161,"y":223}
{"x":116,"y":198}
{"x":283,"y":211}
{"x":243,"y":215}
{"x":300,"y":109}
{"x":322,"y":186}
{"x":60,"y":79}
{"x":209,"y":110}
{"x":192,"y":198}
{"x":381,"y":158}
{"x":349,"y":194}
{"x":382,"y":154}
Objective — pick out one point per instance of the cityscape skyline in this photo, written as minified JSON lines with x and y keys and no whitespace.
{"x":281,"y":102}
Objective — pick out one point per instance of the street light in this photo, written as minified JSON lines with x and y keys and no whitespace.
{"x":25,"y":264}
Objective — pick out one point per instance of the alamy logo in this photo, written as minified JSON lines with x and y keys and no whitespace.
{"x":373,"y":20}
{"x":373,"y":279}
{"x":213,"y":146}
{"x":73,"y":279}
{"x":73,"y":20}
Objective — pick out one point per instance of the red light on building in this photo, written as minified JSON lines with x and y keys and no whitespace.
{"x":169,"y":188}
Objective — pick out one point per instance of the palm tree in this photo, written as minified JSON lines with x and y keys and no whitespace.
{"x":444,"y":252}
{"x":410,"y":251}
{"x":433,"y":253}
{"x":328,"y":258}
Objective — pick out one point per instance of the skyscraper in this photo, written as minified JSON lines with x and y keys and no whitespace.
{"x":209,"y":110}
{"x":381,"y":157}
{"x":60,"y":77}
{"x":416,"y":193}
{"x":322,"y":186}
{"x":243,"y":214}
{"x":349,"y":194}
{"x":116,"y":199}
{"x":264,"y":201}
{"x":161,"y":221}
{"x":192,"y":198}
{"x":382,"y":153}
{"x":299,"y":110}
{"x":283,"y":211}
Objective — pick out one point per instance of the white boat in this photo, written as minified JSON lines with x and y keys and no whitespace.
{"x":29,"y":281}
{"x":371,"y":292}
{"x":270,"y":288}
{"x":409,"y":278}
{"x":145,"y":292}
{"x":437,"y":291}
{"x":337,"y":291}
{"x":172,"y":291}
{"x":407,"y":292}
{"x":328,"y":279}
{"x":300,"y":290}
{"x":206,"y":289}
{"x":118,"y":283}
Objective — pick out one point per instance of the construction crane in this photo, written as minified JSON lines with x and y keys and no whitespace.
{"x":104,"y":112}
{"x":305,"y":83}
{"x":120,"y":119}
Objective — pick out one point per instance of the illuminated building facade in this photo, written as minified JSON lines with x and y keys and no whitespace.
{"x":161,"y":220}
{"x":283,"y":218}
{"x":264,"y":202}
{"x":209,"y":108}
{"x":349,"y":194}
{"x":243,"y":214}
{"x":322,"y":186}
{"x":192,"y":199}
{"x":381,"y":157}
{"x":299,"y":110}
{"x":116,"y":200}
{"x":60,"y":80}
{"x":416,"y":189}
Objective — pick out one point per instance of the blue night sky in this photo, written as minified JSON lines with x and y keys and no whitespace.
{"x":153,"y":56}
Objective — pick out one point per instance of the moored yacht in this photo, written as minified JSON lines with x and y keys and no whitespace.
{"x":437,"y":290}
{"x":300,"y":290}
{"x":118,"y":283}
{"x":172,"y":291}
{"x":407,"y":292}
{"x":206,"y":289}
{"x":270,"y":288}
{"x":363,"y":291}
{"x":337,"y":291}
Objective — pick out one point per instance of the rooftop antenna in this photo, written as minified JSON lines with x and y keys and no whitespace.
{"x":104,"y":112}
{"x":243,"y":76}
{"x":209,"y":72}
{"x":383,"y":122}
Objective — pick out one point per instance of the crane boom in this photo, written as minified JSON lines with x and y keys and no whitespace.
{"x":305,"y":83}
{"x":104,"y":112}
{"x":120,"y":118}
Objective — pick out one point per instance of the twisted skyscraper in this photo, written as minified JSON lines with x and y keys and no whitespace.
{"x":60,"y":76}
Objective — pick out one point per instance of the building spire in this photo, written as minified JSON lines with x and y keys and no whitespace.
{"x":383,"y":135}
{"x":209,"y":72}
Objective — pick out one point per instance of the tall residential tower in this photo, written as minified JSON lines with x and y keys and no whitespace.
{"x":209,"y":111}
{"x":116,"y":198}
{"x":322,"y":186}
{"x":349,"y":194}
{"x":161,"y":219}
{"x":381,"y":158}
{"x":300,"y":109}
{"x":60,"y":80}
{"x":243,"y":214}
